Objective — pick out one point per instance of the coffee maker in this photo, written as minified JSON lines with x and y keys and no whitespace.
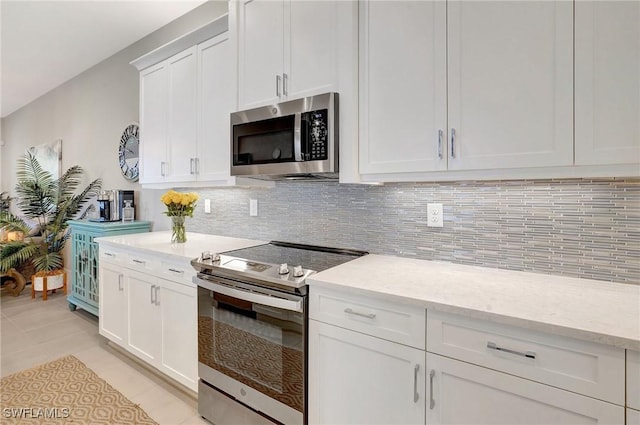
{"x":111,"y":202}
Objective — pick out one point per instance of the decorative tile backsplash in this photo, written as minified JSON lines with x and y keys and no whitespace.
{"x":574,"y":227}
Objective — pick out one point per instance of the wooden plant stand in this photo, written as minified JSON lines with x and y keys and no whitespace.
{"x":44,"y":286}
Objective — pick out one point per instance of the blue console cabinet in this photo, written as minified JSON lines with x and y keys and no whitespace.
{"x":84,"y":256}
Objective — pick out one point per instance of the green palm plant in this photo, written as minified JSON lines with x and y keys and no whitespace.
{"x":49,"y":203}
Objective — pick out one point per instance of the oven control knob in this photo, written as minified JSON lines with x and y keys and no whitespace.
{"x":297,"y":271}
{"x":284,"y":269}
{"x":216,"y":258}
{"x":206,"y":255}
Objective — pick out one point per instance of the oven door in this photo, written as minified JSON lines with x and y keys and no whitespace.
{"x":251,"y":345}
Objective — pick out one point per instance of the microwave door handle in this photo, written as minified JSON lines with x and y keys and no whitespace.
{"x":297,"y":137}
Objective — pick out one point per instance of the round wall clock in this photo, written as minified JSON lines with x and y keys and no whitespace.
{"x":129,"y":152}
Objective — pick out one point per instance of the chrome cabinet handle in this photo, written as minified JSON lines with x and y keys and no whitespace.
{"x":138,"y":261}
{"x":440,"y":135}
{"x":278,"y":85}
{"x":151,"y":290}
{"x":162,"y":169}
{"x":432,"y":401}
{"x":197,"y":162}
{"x":108,"y":254}
{"x":416,"y":396}
{"x":355,"y":313}
{"x":285,"y":83}
{"x":527,"y":354}
{"x":120,"y":288}
{"x":191,"y":166}
{"x":176,"y":271}
{"x":157,"y":298}
{"x":453,"y":142}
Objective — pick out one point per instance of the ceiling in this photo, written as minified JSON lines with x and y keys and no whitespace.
{"x":46,"y":43}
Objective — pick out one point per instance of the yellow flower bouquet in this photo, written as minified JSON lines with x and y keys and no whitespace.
{"x":179,"y":205}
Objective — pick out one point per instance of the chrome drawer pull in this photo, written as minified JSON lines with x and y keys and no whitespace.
{"x":176,"y":271}
{"x":138,"y":261}
{"x":367,"y":315}
{"x":432,"y":401}
{"x":527,"y":354}
{"x":108,"y":254}
{"x":416,"y":396}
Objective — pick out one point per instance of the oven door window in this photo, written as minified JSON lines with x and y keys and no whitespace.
{"x":264,"y":142}
{"x":259,"y":346}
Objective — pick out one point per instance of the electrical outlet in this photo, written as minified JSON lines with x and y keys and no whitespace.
{"x":253,"y":207}
{"x":434,"y":215}
{"x":207,"y":206}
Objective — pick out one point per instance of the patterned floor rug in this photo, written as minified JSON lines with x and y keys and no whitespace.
{"x":65,"y":391}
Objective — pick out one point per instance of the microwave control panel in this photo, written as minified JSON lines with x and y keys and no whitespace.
{"x":318,"y":137}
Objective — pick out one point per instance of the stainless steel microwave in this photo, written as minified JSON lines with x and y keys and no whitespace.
{"x":297,"y":139}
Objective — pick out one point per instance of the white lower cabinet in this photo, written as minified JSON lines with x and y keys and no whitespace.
{"x":633,"y":417}
{"x":151,"y":315}
{"x":113,"y":302}
{"x":360,"y":379}
{"x":144,"y":316}
{"x":462,"y":393}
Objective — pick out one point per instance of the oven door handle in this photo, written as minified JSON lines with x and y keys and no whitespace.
{"x":253,"y":297}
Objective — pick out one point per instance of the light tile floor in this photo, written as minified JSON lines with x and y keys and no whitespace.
{"x":33,"y":332}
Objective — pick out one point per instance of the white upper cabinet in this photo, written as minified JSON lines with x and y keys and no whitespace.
{"x":188,"y":88}
{"x":403,"y":104}
{"x":465,"y":85}
{"x":260,"y":35}
{"x":182,"y":115}
{"x":217,"y":98}
{"x":607,"y":82}
{"x":154,"y":109}
{"x":286,"y":49}
{"x":510,"y":84}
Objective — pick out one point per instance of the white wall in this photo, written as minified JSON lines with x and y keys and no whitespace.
{"x":90,"y":111}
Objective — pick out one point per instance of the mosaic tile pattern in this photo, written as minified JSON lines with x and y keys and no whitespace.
{"x":574,"y":227}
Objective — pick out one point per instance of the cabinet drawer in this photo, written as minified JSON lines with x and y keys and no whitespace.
{"x":633,"y":379}
{"x":143,"y":263}
{"x":178,"y":272}
{"x":584,"y":367}
{"x":402,"y":323}
{"x":112,"y":255}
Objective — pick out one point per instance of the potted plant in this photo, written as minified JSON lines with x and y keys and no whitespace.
{"x":45,"y":205}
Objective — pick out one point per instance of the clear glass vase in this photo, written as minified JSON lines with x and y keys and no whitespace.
{"x":178,"y":232}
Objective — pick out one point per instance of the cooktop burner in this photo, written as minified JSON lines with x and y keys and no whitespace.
{"x":280,"y":264}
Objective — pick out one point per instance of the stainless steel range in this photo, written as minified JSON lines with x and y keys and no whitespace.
{"x":252,"y":330}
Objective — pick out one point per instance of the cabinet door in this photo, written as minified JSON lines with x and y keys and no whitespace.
{"x":182,"y":116}
{"x":144,"y":334}
{"x":178,"y":311}
{"x":154,"y":110}
{"x":510,"y":84}
{"x":311,"y":50}
{"x":633,"y":417}
{"x":260,"y":51}
{"x":360,"y":379}
{"x":402,"y":86}
{"x":607,"y":82}
{"x":217,"y":98}
{"x":461,"y":393}
{"x":113,"y":304}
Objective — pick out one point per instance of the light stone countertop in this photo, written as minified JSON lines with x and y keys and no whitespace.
{"x":591,"y":310}
{"x":159,"y":243}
